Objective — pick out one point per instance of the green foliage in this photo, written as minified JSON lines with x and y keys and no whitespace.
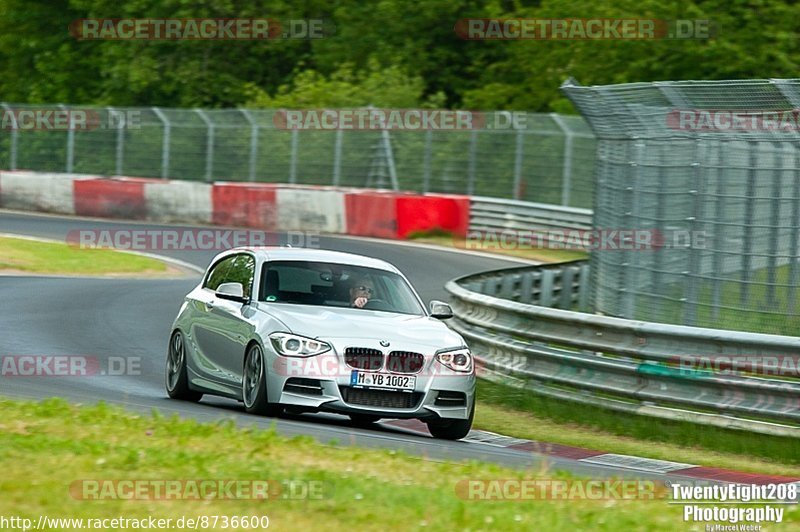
{"x":384,"y":53}
{"x":346,"y":87}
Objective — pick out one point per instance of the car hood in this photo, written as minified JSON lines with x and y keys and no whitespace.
{"x":327,"y":322}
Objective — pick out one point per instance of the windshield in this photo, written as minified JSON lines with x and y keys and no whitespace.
{"x":337,"y":285}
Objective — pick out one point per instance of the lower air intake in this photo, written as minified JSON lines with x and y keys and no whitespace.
{"x":380,"y":398}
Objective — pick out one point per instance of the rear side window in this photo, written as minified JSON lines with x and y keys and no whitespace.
{"x":218,"y":273}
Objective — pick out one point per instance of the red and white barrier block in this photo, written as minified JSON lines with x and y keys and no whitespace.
{"x":38,"y":191}
{"x":270,"y":207}
{"x":178,"y":201}
{"x":245,"y":204}
{"x":311,"y":209}
{"x":396,"y":215}
{"x":110,"y":198}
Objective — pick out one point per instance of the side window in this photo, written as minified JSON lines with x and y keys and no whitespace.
{"x":218,"y":273}
{"x":242,"y":271}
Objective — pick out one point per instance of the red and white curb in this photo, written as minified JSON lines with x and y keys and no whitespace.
{"x":588,"y":456}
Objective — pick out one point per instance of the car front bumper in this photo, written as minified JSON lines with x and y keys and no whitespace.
{"x":323,"y":383}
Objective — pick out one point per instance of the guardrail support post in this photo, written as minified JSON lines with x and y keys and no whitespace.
{"x":546,"y":288}
{"x":507,"y":287}
{"x":583,"y":288}
{"x":526,"y":288}
{"x":567,"y":279}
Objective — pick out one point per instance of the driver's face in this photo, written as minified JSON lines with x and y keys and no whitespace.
{"x":363,"y":289}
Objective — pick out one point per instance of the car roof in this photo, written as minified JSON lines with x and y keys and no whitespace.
{"x":269,"y":253}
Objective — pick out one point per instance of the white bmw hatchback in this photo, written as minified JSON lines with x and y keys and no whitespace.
{"x":312,"y":330}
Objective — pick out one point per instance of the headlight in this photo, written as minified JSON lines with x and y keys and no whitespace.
{"x":292,"y":345}
{"x":457,"y":359}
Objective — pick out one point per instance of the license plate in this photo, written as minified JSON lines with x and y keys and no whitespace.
{"x":386,"y":381}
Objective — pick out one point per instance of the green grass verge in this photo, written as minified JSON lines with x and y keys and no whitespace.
{"x":445,"y":239}
{"x":518,"y":413}
{"x":19,"y":254}
{"x":47,"y":447}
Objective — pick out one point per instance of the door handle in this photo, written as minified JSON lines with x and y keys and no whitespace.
{"x":209,"y":305}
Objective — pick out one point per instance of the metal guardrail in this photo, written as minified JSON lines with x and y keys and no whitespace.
{"x":624,"y":365}
{"x":523,"y":217}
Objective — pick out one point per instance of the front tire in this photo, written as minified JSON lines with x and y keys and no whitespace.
{"x":254,"y":387}
{"x":452,"y":429}
{"x":177,"y":381}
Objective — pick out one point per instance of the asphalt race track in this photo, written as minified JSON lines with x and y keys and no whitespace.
{"x":105,"y":318}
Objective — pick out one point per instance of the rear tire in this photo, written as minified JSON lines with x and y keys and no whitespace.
{"x":451,"y":429}
{"x":177,"y":381}
{"x":364,"y":421}
{"x":254,"y":386}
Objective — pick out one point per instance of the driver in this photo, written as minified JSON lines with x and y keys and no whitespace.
{"x":361,"y":291}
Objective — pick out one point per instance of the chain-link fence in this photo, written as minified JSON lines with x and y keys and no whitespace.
{"x":548,"y":158}
{"x":718,"y":162}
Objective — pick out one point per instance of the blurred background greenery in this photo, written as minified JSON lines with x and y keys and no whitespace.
{"x":389,"y":53}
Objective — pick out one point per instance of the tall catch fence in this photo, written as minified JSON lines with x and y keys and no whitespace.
{"x":544,"y":158}
{"x":718,"y":161}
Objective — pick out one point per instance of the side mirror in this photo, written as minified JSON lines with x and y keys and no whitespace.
{"x":231,"y":291}
{"x":440,"y":310}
